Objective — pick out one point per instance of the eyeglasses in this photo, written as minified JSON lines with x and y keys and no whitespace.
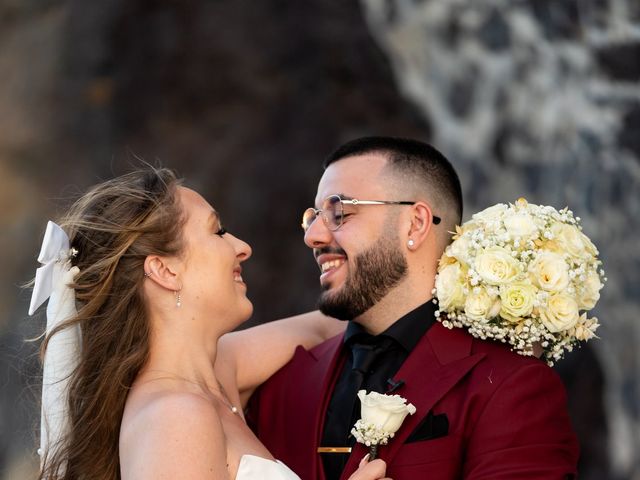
{"x":335,"y":209}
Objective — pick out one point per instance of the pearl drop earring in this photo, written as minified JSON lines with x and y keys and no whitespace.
{"x":410,"y":242}
{"x":178,"y":300}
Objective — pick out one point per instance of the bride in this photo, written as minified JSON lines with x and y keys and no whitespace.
{"x":157,"y":389}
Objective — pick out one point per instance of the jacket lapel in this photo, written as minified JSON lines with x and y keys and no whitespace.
{"x":435,"y":366}
{"x":321,"y":370}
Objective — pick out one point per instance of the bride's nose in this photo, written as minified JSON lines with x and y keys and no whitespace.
{"x":242,"y":248}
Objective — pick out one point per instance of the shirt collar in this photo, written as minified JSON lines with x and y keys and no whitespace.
{"x":407,"y":330}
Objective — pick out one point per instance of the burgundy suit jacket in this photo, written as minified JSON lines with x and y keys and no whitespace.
{"x":507,"y":413}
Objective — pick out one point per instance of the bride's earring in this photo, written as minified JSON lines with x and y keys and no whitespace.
{"x":178,"y":300}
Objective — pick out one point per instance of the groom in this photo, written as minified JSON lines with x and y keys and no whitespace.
{"x":386,"y":208}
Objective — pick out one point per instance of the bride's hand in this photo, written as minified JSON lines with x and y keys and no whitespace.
{"x":367,"y":470}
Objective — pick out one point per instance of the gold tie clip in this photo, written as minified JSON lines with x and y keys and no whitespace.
{"x":334,"y":449}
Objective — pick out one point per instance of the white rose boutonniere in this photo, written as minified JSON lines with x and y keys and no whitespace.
{"x":381,"y":417}
{"x":521,"y":274}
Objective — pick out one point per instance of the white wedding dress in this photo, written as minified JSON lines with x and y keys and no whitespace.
{"x":258,"y":468}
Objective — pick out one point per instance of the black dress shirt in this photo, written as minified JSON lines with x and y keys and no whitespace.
{"x":397,"y":342}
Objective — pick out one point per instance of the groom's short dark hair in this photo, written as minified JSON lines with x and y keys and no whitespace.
{"x":418,"y":161}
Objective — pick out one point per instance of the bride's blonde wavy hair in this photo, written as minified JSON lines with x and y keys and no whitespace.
{"x":114,"y":227}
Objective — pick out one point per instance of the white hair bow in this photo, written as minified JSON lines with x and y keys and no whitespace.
{"x":61,"y":357}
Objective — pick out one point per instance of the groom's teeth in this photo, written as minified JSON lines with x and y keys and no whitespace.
{"x":331,"y":264}
{"x":238,"y":278}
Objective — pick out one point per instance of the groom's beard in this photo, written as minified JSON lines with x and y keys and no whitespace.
{"x":375,"y":272}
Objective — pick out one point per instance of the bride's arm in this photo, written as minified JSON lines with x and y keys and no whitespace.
{"x":258,"y":352}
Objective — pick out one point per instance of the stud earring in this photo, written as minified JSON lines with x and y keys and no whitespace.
{"x":147,"y":274}
{"x":410,"y":242}
{"x":178,"y":300}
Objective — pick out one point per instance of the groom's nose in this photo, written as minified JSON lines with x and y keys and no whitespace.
{"x":318,"y":235}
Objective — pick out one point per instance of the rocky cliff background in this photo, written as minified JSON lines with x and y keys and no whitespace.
{"x":534,"y":98}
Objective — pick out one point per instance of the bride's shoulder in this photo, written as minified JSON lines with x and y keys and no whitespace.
{"x":168,"y":409}
{"x":169,"y":427}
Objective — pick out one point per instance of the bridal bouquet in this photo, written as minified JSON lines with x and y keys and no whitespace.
{"x":522,"y":274}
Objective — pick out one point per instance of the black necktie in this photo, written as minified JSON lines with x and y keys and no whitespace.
{"x":344,"y":402}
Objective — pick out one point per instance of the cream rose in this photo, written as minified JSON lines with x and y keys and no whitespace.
{"x":590,"y":293}
{"x":496,"y":266}
{"x":570,"y":238}
{"x":520,"y":225}
{"x":481,"y":306}
{"x":459,"y":249}
{"x":491,"y":213}
{"x":517,"y":301}
{"x":449,"y":286}
{"x":550,"y":272}
{"x":386,"y":412}
{"x":588,"y":245}
{"x":561,"y":313}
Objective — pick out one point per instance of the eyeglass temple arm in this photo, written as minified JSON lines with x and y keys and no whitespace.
{"x":355,"y":201}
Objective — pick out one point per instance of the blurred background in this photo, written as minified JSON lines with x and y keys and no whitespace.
{"x":534,"y":98}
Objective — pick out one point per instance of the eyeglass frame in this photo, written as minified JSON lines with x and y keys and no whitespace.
{"x":353,"y":201}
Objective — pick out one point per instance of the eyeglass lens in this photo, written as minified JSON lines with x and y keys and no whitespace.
{"x":331,"y":211}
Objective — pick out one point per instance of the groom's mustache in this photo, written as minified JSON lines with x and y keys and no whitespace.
{"x":335,"y":250}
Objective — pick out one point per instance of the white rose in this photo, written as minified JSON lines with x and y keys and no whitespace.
{"x":550,"y":272}
{"x":449,"y":283}
{"x":590,"y":293}
{"x":459,"y":249}
{"x":387,"y":412}
{"x":571,"y":239}
{"x":520,"y":225}
{"x":588,"y":245}
{"x":481,"y":306}
{"x":561,"y":313}
{"x":496,"y":266}
{"x":494,"y":212}
{"x":517,"y":301}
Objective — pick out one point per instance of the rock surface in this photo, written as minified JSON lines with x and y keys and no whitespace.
{"x":540,"y":99}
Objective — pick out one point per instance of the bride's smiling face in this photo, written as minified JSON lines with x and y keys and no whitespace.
{"x":212,"y":275}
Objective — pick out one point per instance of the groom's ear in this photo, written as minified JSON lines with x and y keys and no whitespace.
{"x":421,"y":223}
{"x":163,"y":271}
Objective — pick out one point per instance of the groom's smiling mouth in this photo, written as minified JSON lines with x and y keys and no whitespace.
{"x":330,"y":263}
